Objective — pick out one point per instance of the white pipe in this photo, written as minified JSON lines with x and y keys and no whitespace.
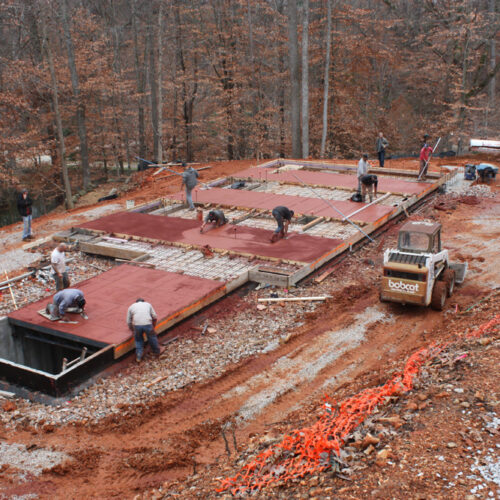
{"x":386,"y":195}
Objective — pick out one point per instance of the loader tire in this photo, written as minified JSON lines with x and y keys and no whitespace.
{"x":449,"y":279}
{"x":439,"y":293}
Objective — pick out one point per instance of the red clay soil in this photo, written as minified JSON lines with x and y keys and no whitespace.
{"x":109,"y":296}
{"x":160,"y":444}
{"x":385,"y":184}
{"x":300,"y":205}
{"x":244,"y":239}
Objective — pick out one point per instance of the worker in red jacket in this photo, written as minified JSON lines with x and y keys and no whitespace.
{"x":425,"y":156}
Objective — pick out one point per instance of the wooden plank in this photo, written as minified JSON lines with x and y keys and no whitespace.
{"x":294,"y":299}
{"x":312,"y":223}
{"x":109,"y":251}
{"x":269,"y":278}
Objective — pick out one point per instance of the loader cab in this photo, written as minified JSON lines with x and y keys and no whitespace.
{"x":420,"y":237}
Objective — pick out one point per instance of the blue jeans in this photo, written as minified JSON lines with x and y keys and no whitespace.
{"x":61,"y":282}
{"x":27,"y":226}
{"x":279,"y":220}
{"x":139,"y":330}
{"x":189,"y":199}
{"x":381,"y":158}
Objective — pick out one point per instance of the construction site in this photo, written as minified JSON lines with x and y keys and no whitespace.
{"x":336,"y":362}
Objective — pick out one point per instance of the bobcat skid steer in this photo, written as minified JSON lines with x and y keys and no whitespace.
{"x":419,"y":271}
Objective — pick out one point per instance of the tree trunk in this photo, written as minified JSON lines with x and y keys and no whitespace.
{"x":305,"y":79}
{"x":140,"y":80}
{"x":80,"y":107}
{"x":326,"y":77}
{"x":188,"y":98}
{"x":493,"y":60}
{"x":57,"y":113}
{"x":159,"y":113}
{"x":293,"y":53}
{"x":150,"y":44}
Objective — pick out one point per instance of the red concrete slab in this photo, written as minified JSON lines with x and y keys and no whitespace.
{"x":109,"y":296}
{"x":333,"y":179}
{"x":242,"y":239}
{"x":299,"y":204}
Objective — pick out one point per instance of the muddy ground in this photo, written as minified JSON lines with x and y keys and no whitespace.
{"x":172,"y":445}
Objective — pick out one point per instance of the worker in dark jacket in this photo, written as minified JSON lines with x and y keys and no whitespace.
{"x":24,"y":203}
{"x":65,"y":299}
{"x":283,"y":216}
{"x":215,"y":217}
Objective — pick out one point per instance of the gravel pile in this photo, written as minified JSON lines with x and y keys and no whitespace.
{"x":226,"y":341}
{"x":462,"y":187}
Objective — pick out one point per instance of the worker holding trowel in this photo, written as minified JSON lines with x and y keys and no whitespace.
{"x":67,"y":300}
{"x":189,"y":180}
{"x":215,"y":217}
{"x":283,"y":216}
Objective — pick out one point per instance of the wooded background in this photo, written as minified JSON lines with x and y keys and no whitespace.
{"x":106,"y":80}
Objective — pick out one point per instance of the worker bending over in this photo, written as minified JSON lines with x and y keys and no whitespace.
{"x":366,"y":182}
{"x":369,"y":184}
{"x":64,"y":300}
{"x":283,"y":216}
{"x":141,"y":319}
{"x":215,"y":217}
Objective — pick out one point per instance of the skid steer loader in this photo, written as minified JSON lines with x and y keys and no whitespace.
{"x":419,"y":271}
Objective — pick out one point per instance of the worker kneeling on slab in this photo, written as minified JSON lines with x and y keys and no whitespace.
{"x":215,"y":217}
{"x":283,"y":216}
{"x":141,"y":319}
{"x":67,"y":300}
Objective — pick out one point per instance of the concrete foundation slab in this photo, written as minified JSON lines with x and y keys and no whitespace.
{"x":110,"y":294}
{"x":332,"y":179}
{"x":300,"y":205}
{"x":241,"y":239}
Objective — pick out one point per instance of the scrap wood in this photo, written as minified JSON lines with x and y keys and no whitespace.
{"x":312,"y":223}
{"x":10,"y":289}
{"x":293,"y":299}
{"x":325,"y":275}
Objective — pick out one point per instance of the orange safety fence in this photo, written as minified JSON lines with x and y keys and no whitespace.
{"x":314,"y":449}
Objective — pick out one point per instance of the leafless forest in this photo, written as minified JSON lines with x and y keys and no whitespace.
{"x":99,"y":82}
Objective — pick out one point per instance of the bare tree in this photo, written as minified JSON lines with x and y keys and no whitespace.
{"x":293,"y":54}
{"x":57,"y":113}
{"x":326,"y":76}
{"x":80,"y":106}
{"x":305,"y":79}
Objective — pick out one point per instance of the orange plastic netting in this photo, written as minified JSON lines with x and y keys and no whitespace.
{"x":314,"y":449}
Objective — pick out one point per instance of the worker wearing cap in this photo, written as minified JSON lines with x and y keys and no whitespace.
{"x":141,"y":319}
{"x":425,"y":156}
{"x":63,"y":300}
{"x":216,"y":217}
{"x":189,"y":180}
{"x":283,"y":216}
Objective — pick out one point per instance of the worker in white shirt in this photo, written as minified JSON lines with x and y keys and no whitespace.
{"x":141,"y":319}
